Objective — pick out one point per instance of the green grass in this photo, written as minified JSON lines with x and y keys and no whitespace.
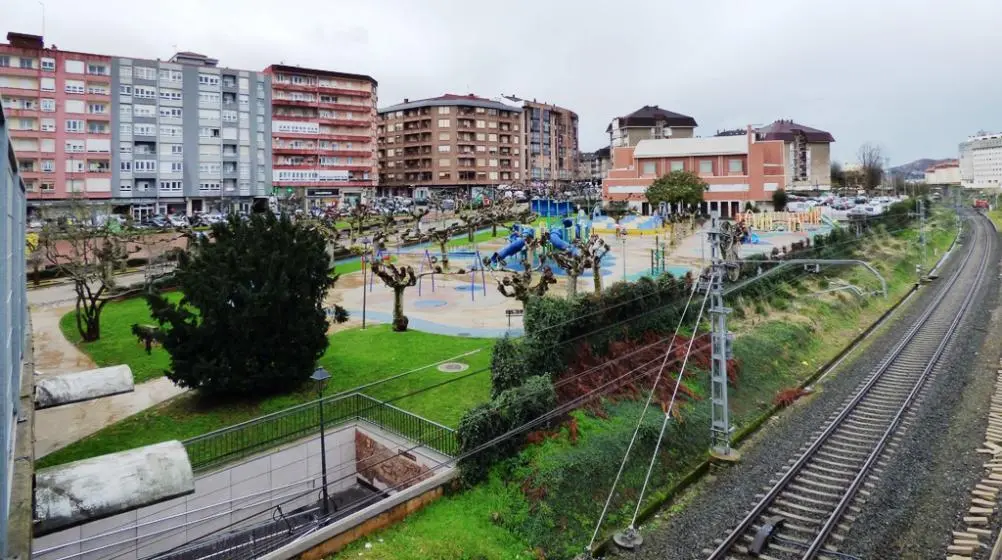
{"x":355,"y":357}
{"x":996,"y":217}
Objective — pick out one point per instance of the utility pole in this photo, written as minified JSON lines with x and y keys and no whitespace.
{"x":720,"y":424}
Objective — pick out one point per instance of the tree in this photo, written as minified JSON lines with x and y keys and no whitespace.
{"x":616,"y":209}
{"x":415,"y":216}
{"x":357,"y":218}
{"x":871,"y":161}
{"x":498,"y":212}
{"x":779,"y":200}
{"x":837,"y":175}
{"x":518,"y":284}
{"x":252,"y":317}
{"x":471,"y":219}
{"x":596,"y":249}
{"x":398,"y":279}
{"x":88,"y":257}
{"x":442,"y":238}
{"x":678,"y":187}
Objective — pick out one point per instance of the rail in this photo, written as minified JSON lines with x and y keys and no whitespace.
{"x":815,"y":547}
{"x":248,"y":438}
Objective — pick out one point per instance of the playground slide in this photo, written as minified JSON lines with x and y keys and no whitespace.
{"x":557,"y":240}
{"x":507,"y":251}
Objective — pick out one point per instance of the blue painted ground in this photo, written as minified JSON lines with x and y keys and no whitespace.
{"x":436,"y":328}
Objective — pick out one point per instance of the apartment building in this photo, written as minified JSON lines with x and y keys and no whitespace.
{"x":946,"y":173}
{"x":455,"y":142}
{"x":595,"y":165}
{"x":59,"y":106}
{"x":649,"y":122}
{"x":323,"y":134}
{"x":550,"y":137}
{"x":981,"y":161}
{"x":190,"y":136}
{"x":739,"y":169}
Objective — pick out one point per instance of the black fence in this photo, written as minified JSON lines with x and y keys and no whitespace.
{"x":237,"y":442}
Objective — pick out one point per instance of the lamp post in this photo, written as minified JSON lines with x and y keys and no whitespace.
{"x":321,"y":375}
{"x":365,"y":254}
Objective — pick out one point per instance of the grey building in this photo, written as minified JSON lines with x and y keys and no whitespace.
{"x":190,"y":136}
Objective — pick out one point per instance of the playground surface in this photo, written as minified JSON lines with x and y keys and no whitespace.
{"x":469,"y":303}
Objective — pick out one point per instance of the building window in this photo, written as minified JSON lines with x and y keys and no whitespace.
{"x":444,"y":110}
{"x":677,"y":166}
{"x":144,"y":110}
{"x":170,"y":112}
{"x":149,"y":165}
{"x":735,"y":166}
{"x":443,"y":135}
{"x":125,"y":147}
{"x":97,"y":108}
{"x":125,"y":187}
{"x":166,"y":130}
{"x":481,"y":124}
{"x":492,"y":137}
{"x":145,"y":73}
{"x":124,"y":89}
{"x":144,"y":92}
{"x":98,"y":69}
{"x":444,"y":148}
{"x":144,"y":129}
{"x":48,"y":166}
{"x":47,"y":84}
{"x":170,"y":95}
{"x":73,"y":125}
{"x":49,"y":105}
{"x":74,"y":86}
{"x":444,"y":162}
{"x":49,"y":64}
{"x":443,"y":123}
{"x":650,"y":168}
{"x":208,"y":80}
{"x":170,"y":167}
{"x":706,"y":167}
{"x":74,"y":66}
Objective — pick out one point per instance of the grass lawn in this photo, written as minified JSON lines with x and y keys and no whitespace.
{"x":355,"y":357}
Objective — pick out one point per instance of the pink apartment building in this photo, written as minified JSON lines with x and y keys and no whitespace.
{"x":59,"y":106}
{"x":740,"y":167}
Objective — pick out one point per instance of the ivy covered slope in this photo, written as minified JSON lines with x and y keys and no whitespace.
{"x":543,"y":494}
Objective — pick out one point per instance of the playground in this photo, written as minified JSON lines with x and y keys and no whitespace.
{"x":464,"y":300}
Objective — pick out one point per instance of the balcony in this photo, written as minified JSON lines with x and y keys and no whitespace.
{"x":293,"y":102}
{"x":354,"y":123}
{"x":280,"y":116}
{"x":289,"y":86}
{"x":348,"y":92}
{"x":24,"y":72}
{"x":22,"y":112}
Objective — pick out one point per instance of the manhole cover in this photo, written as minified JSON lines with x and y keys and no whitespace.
{"x":463,"y":334}
{"x":453,"y":367}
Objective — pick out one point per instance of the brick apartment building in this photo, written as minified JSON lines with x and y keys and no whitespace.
{"x":185,"y":134}
{"x":550,"y":137}
{"x":739,"y":168}
{"x":460,"y":143}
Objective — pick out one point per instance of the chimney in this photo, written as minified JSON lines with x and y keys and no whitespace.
{"x":406,"y":100}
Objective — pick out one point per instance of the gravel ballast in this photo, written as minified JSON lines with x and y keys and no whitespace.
{"x":713,"y":506}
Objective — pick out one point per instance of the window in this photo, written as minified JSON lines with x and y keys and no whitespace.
{"x":492,"y":137}
{"x":493,"y":163}
{"x":170,"y":95}
{"x":493,"y":175}
{"x":124,"y":89}
{"x":148,"y":165}
{"x":706,"y":167}
{"x":677,"y":166}
{"x":97,"y":108}
{"x":144,"y":129}
{"x":49,"y":64}
{"x":74,"y":86}
{"x":4,"y":61}
{"x":443,"y":123}
{"x":650,"y":168}
{"x":208,"y":114}
{"x":125,"y":165}
{"x":97,"y":127}
{"x":170,"y":75}
{"x":125,"y":187}
{"x":99,"y":145}
{"x":125,"y":147}
{"x":145,"y":73}
{"x":481,"y":124}
{"x":208,"y":168}
{"x":208,"y":98}
{"x":170,"y":112}
{"x":74,"y":165}
{"x":229,"y":116}
{"x":443,"y":135}
{"x":244,"y":100}
{"x":170,"y":167}
{"x":735,"y":166}
{"x":48,"y":84}
{"x":481,"y":148}
{"x":166,"y":130}
{"x":208,"y":132}
{"x":74,"y":106}
{"x":99,"y":69}
{"x":481,"y":137}
{"x":444,"y":175}
{"x":74,"y":66}
{"x":208,"y":80}
{"x":170,"y":186}
{"x":73,"y":125}
{"x":48,"y":105}
{"x":444,"y":149}
{"x":444,"y":162}
{"x":444,"y":110}
{"x":208,"y":186}
{"x":47,"y":145}
{"x":125,"y":72}
{"x":149,"y":111}
{"x":481,"y":162}
{"x":144,"y":92}
{"x":48,"y":166}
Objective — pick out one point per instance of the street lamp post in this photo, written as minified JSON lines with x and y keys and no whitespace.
{"x":321,"y":375}
{"x":365,"y":254}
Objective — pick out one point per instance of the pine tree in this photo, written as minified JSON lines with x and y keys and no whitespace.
{"x":252,"y":319}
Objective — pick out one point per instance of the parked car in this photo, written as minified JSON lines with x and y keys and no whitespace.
{"x":178,"y":220}
{"x":158,"y":221}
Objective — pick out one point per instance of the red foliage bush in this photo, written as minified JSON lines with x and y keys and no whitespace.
{"x":786,"y":397}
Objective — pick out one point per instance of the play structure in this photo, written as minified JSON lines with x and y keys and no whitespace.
{"x":548,"y":208}
{"x":524,"y":243}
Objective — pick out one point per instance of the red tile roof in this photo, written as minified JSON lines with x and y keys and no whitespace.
{"x":786,"y":130}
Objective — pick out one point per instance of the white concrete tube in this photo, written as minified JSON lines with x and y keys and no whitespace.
{"x":55,"y":390}
{"x":82,"y":491}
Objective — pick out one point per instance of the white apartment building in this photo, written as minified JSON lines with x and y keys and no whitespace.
{"x":981,"y":161}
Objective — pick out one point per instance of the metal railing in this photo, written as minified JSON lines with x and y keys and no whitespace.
{"x":242,"y":440}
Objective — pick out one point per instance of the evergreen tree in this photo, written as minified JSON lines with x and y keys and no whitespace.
{"x":252,"y":319}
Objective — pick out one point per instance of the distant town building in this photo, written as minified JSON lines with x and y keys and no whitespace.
{"x":550,"y":137}
{"x":454,"y":142}
{"x":740,"y":170}
{"x":944,"y":173}
{"x":323,"y":134}
{"x":981,"y":161}
{"x":649,"y":122}
{"x":595,"y":165}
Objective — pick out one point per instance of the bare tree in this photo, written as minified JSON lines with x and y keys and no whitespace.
{"x":442,"y":238}
{"x":398,"y":279}
{"x":518,"y":284}
{"x":871,"y":160}
{"x":837,"y":175}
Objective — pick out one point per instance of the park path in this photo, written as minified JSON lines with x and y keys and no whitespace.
{"x":58,"y":427}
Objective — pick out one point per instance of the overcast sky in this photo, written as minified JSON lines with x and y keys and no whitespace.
{"x":915,"y":76}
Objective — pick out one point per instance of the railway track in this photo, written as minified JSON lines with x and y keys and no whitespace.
{"x":806,"y":512}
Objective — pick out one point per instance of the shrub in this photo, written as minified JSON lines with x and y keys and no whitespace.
{"x":508,"y":369}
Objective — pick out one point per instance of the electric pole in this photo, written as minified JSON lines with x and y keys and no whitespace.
{"x":720,"y":424}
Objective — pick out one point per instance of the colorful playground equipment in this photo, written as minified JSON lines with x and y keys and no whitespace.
{"x":782,"y":221}
{"x":553,"y":239}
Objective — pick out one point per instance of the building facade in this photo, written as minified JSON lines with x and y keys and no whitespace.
{"x":323,"y":134}
{"x":59,"y":106}
{"x":981,"y":161}
{"x":454,"y":142}
{"x":550,"y":140}
{"x":946,"y":173}
{"x":739,"y":170}
{"x":647,"y":123}
{"x":595,"y":165}
{"x":190,"y":136}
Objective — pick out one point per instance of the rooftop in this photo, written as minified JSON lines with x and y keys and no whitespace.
{"x":683,"y":147}
{"x":651,"y":115}
{"x":314,"y":72}
{"x":785,"y":130}
{"x":449,"y":100}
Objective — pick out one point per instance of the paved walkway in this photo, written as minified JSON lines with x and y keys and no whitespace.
{"x":58,"y":427}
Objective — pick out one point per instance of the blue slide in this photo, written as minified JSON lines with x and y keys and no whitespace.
{"x":557,"y":240}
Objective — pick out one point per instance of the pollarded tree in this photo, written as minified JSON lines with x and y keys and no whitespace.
{"x":678,"y":187}
{"x":252,"y":318}
{"x":518,"y":284}
{"x":596,"y":249}
{"x":442,"y":238}
{"x":398,"y":279}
